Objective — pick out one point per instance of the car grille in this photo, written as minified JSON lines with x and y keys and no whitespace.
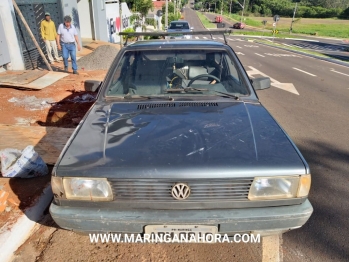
{"x":160,"y":190}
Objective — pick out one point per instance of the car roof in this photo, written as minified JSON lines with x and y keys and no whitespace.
{"x":180,"y":21}
{"x":171,"y":43}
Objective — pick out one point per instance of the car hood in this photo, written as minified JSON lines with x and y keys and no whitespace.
{"x":189,"y":139}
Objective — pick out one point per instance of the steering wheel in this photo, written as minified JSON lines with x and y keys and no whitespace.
{"x":201,"y":76}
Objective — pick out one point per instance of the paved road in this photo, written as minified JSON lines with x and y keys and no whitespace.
{"x":318,"y":121}
{"x":309,"y":98}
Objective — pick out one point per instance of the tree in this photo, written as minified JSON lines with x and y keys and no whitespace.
{"x":142,"y":8}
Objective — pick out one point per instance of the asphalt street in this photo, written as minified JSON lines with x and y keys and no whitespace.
{"x":317,"y":119}
{"x":309,"y":98}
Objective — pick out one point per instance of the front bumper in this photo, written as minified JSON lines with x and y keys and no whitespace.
{"x":229,"y":221}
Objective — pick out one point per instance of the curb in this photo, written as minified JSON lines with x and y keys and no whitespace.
{"x":11,"y":240}
{"x":330,"y":60}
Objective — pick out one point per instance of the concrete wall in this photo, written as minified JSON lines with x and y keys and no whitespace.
{"x":8,"y":19}
{"x":85,"y":19}
{"x":100,"y":20}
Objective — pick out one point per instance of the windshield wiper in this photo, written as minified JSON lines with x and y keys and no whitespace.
{"x":221,"y":93}
{"x":227,"y":95}
{"x":129,"y":96}
{"x":191,"y":89}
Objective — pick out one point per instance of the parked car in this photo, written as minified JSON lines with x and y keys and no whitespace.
{"x":177,"y":140}
{"x":218,"y":19}
{"x":179,"y":27}
{"x":239,"y":25}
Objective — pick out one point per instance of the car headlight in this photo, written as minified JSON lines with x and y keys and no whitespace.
{"x":264,"y":188}
{"x":92,"y":189}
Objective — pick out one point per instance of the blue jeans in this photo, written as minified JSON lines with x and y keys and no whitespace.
{"x":69,"y":49}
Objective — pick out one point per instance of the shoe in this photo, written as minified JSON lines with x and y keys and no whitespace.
{"x":75,"y":72}
{"x":66,"y":69}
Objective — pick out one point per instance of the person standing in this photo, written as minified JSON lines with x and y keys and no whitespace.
{"x":48,"y":34}
{"x":66,"y":38}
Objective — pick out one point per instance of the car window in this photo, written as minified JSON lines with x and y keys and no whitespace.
{"x":162,"y":72}
{"x":179,"y":25}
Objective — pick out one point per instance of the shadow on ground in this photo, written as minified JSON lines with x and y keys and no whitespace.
{"x":326,"y":233}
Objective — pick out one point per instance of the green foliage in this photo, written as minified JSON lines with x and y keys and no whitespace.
{"x":207,"y":23}
{"x":127,"y":30}
{"x":171,"y":17}
{"x":170,"y":8}
{"x":345,"y":14}
{"x":284,"y":8}
{"x":150,"y":21}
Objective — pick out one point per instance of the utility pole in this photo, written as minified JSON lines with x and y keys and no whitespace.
{"x":243,"y":7}
{"x":242,"y":13}
{"x":166,"y":14}
{"x":231,"y":2}
{"x":294,"y":15}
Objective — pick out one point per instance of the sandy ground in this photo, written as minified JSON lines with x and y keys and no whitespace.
{"x":57,"y":105}
{"x":51,"y":244}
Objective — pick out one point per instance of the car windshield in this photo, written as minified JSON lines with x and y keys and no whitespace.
{"x":179,"y":25}
{"x":176,"y":72}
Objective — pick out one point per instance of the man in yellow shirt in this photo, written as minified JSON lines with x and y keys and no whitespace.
{"x":48,"y":34}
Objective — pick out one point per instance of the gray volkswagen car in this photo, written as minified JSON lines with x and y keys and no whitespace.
{"x":177,"y":140}
{"x":177,"y":28}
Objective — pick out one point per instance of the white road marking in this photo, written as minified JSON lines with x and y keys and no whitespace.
{"x":284,"y":86}
{"x":238,"y":46}
{"x":300,"y":39}
{"x":239,"y":53}
{"x":214,"y":38}
{"x":220,"y":38}
{"x":251,"y":45}
{"x":240,"y":40}
{"x":287,"y":45}
{"x":259,"y":55}
{"x":305,"y":72}
{"x":204,"y":37}
{"x":332,"y":70}
{"x":231,"y":39}
{"x":196,"y":37}
{"x":281,"y":55}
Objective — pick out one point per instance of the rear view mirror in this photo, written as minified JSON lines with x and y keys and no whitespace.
{"x":261,"y":83}
{"x":92,"y":85}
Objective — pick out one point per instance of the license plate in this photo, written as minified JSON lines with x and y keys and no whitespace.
{"x":183,"y":232}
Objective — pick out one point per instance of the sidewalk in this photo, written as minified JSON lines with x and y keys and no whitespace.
{"x":44,"y":118}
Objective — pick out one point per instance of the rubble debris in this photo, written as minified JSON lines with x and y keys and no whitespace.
{"x":84,"y":98}
{"x":32,"y":103}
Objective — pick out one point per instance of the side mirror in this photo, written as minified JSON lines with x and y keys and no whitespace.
{"x":92,"y":85}
{"x":261,"y":83}
{"x":191,"y":28}
{"x":166,"y":27}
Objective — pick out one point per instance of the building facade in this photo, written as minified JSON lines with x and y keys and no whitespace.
{"x":20,"y":50}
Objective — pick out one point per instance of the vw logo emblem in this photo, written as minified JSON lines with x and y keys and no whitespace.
{"x":180,"y":191}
